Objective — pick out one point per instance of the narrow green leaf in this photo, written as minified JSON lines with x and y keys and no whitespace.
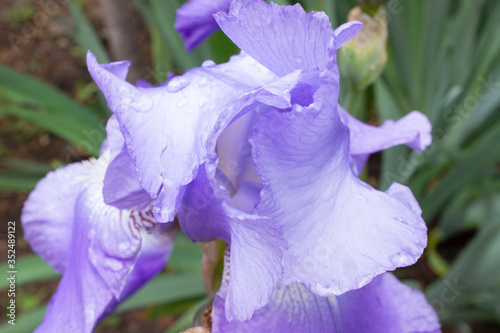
{"x":186,"y":256}
{"x":16,"y":181}
{"x":84,"y":34}
{"x":78,"y":134}
{"x":30,"y":268}
{"x":163,"y":13}
{"x":472,"y":164}
{"x":186,"y":320}
{"x":28,"y":89}
{"x":26,"y":322}
{"x":165,"y":288}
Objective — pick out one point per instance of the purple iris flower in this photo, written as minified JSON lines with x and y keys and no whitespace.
{"x":103,"y":253}
{"x":256,"y":152}
{"x":195,"y":22}
{"x":385,"y":305}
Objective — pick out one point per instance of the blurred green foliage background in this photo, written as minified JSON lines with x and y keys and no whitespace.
{"x":442,"y":59}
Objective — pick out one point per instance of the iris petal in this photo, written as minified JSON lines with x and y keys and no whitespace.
{"x":105,"y":254}
{"x":256,"y":245}
{"x":413,"y":130}
{"x":165,"y":128}
{"x":385,"y":305}
{"x":121,"y":189}
{"x":282,"y":38}
{"x":340,"y":231}
{"x":195,"y":20}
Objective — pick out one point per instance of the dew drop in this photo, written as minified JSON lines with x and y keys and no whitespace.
{"x":203,"y":103}
{"x":89,"y":313}
{"x":123,"y":247}
{"x":177,"y":84}
{"x":142,"y":104}
{"x":115,"y":265}
{"x":203,"y":81}
{"x":298,"y":60}
{"x":91,"y":235}
{"x":123,"y":90}
{"x":208,"y":63}
{"x":182,"y":103}
{"x":401,"y":220}
{"x":397,"y":259}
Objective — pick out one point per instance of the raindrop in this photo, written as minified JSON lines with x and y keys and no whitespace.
{"x":203,"y":103}
{"x":397,"y":259}
{"x":123,"y":247}
{"x":203,"y":81}
{"x":89,"y":313}
{"x":177,"y":83}
{"x":115,"y":265}
{"x":298,"y":60}
{"x":142,"y":104}
{"x":208,"y":63}
{"x":91,"y":234}
{"x":182,"y":103}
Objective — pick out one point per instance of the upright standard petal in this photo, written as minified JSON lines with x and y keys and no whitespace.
{"x":213,"y":207}
{"x":341,"y":232}
{"x":106,"y":253}
{"x":165,"y":128}
{"x":385,"y":305}
{"x":282,"y":38}
{"x":195,"y":20}
{"x":413,"y":130}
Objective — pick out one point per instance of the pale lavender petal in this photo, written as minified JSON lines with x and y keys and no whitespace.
{"x":257,"y":247}
{"x":282,"y":38}
{"x":165,"y":128}
{"x":48,"y":213}
{"x":107,"y":253}
{"x":121,"y":189}
{"x":346,"y":32}
{"x":235,"y":152}
{"x":256,"y":244}
{"x":385,"y":305}
{"x":195,"y":20}
{"x":201,"y":215}
{"x":341,"y":232}
{"x":413,"y":130}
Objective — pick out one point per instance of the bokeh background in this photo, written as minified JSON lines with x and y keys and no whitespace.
{"x":440,"y":57}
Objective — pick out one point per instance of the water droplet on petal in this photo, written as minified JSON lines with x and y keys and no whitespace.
{"x":89,"y":313}
{"x":401,"y":220}
{"x":203,"y":81}
{"x":182,"y":103}
{"x":298,"y":60}
{"x":115,"y":265}
{"x":122,"y":90}
{"x":398,"y":259}
{"x":203,"y":103}
{"x":177,"y":83}
{"x":123,"y":247}
{"x":208,"y":63}
{"x":142,"y":104}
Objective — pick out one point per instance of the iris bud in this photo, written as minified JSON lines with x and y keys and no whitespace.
{"x":363,"y":58}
